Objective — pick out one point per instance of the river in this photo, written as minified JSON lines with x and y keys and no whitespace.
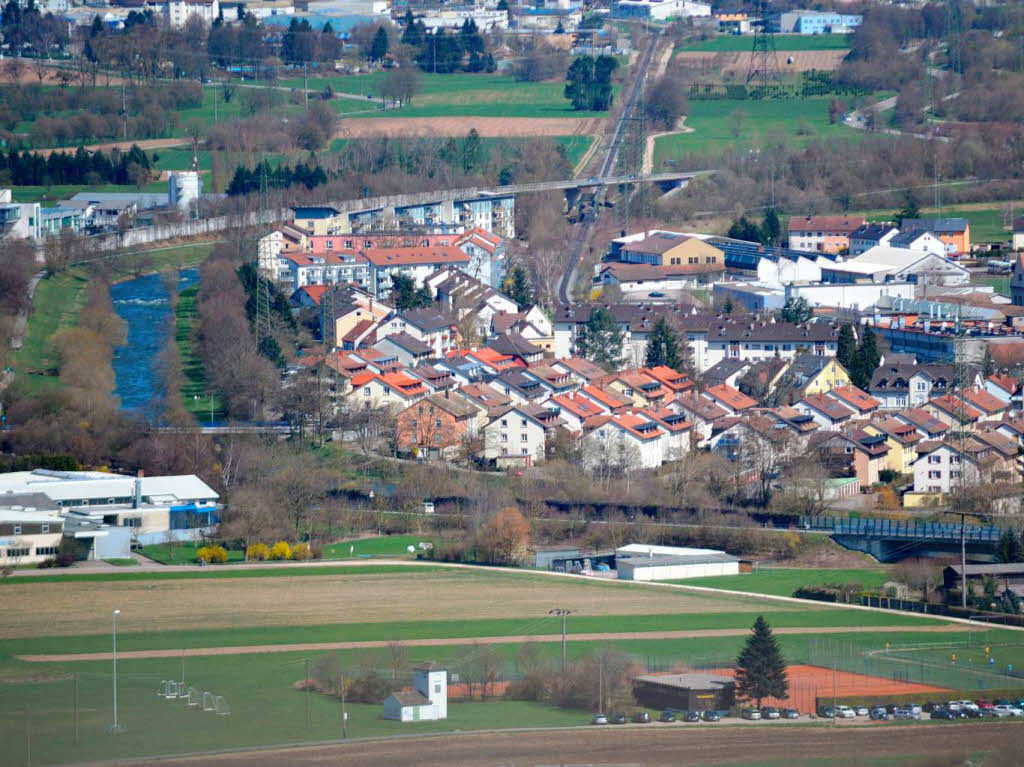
{"x":142,"y":304}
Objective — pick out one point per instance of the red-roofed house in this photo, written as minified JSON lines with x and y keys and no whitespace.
{"x":730,"y":399}
{"x":673,"y":380}
{"x":1006,"y":387}
{"x":415,"y":262}
{"x":677,"y":431}
{"x":395,"y":390}
{"x":829,"y":413}
{"x":437,"y":425}
{"x":639,"y":388}
{"x":952,"y":412}
{"x":575,"y":408}
{"x":610,"y":402}
{"x":701,"y":411}
{"x":991,"y":406}
{"x":624,"y":441}
{"x":858,"y":400}
{"x":822,"y":234}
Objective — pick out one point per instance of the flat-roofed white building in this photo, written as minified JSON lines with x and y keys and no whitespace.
{"x":643,"y":562}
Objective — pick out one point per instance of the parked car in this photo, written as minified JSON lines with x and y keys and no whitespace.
{"x":943,"y":713}
{"x":828,"y":712}
{"x":845,"y":712}
{"x":790,"y":713}
{"x":1011,"y":710}
{"x":982,"y":703}
{"x":656,"y":294}
{"x":903,"y":712}
{"x":641,"y":717}
{"x":618,"y":719}
{"x":599,"y":719}
{"x":667,"y":716}
{"x":970,"y":705}
{"x":970,"y":713}
{"x":711,"y":716}
{"x":1000,"y":712}
{"x":691,"y":716}
{"x":751,"y":713}
{"x":879,"y":714}
{"x":932,"y":705}
{"x":861,"y":710}
{"x":914,"y":707}
{"x":769,"y":712}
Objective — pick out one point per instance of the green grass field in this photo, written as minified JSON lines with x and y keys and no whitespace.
{"x":382,"y":546}
{"x":38,"y":700}
{"x":455,"y":95}
{"x":784,"y":581}
{"x":714,"y":125}
{"x":829,"y":42}
{"x":182,"y":554}
{"x":199,"y":400}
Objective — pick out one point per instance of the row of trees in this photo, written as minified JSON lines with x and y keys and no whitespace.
{"x":31,"y":169}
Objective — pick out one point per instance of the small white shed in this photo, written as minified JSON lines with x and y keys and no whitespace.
{"x":428,"y":700}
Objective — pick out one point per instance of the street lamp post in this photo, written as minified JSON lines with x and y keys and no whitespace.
{"x":115,"y":728}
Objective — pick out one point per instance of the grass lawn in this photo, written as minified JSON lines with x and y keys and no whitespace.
{"x":784,"y":581}
{"x":198,"y":399}
{"x":714,"y":129}
{"x":828,"y":42}
{"x":455,"y":95}
{"x":56,"y":303}
{"x":182,"y":554}
{"x":1000,"y":283}
{"x":383,"y":546}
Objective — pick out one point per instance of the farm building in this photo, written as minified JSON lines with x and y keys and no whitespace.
{"x":569,"y":558}
{"x":689,"y":692}
{"x":641,"y":562}
{"x":1007,"y":576}
{"x":428,"y":700}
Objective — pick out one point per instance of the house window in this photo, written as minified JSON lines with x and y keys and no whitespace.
{"x":46,"y":527}
{"x":437,"y":422}
{"x":46,"y":551}
{"x":524,"y":423}
{"x":934,"y":475}
{"x":504,"y":423}
{"x":525,"y":451}
{"x":504,"y":451}
{"x":366,"y":392}
{"x":437,"y":438}
{"x":17,"y":552}
{"x":956,"y":474}
{"x":934,"y":459}
{"x":17,"y":529}
{"x":437,"y":688}
{"x":523,"y":437}
{"x":412,"y":424}
{"x":504,"y":438}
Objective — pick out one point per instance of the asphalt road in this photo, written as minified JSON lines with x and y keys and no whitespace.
{"x":946,"y":743}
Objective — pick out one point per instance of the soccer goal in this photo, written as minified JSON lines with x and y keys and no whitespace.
{"x":167,"y":689}
{"x":195,"y":698}
{"x":208,"y":702}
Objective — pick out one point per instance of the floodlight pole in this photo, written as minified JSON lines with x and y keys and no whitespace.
{"x":561,"y":611}
{"x":115,"y":728}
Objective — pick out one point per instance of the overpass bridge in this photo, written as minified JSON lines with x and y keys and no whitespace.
{"x":890,"y":540}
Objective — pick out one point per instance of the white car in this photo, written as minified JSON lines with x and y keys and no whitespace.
{"x":967,"y":705}
{"x":1005,"y":710}
{"x":862,"y":711}
{"x":845,"y":712}
{"x":1000,"y":711}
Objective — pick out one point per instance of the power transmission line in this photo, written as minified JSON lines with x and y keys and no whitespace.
{"x":764,"y":60}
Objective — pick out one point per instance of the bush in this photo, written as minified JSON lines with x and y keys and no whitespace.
{"x":302,"y":552}
{"x":214,"y":555}
{"x":257,"y":552}
{"x":281,"y":551}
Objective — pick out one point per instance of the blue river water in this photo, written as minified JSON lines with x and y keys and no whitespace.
{"x":142,"y":304}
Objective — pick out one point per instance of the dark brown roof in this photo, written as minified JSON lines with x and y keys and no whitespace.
{"x":411,"y":698}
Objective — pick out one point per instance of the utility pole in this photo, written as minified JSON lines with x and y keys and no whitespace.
{"x":306,"y":685}
{"x":561,"y":611}
{"x":305,"y":85}
{"x":76,"y":707}
{"x":115,"y":728}
{"x":344,"y":714}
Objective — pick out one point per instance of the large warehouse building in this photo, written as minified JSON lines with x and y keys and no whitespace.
{"x":643,"y":562}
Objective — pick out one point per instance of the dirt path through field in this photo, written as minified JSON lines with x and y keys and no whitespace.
{"x":681,"y":127}
{"x":460,"y":126}
{"x":152,"y":143}
{"x":671,"y":745}
{"x":584,"y":637}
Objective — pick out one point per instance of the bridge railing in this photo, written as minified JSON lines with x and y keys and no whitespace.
{"x":889,"y":528}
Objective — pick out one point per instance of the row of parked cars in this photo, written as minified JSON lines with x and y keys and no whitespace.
{"x":952,"y":709}
{"x":769,"y":712}
{"x":668,"y":715}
